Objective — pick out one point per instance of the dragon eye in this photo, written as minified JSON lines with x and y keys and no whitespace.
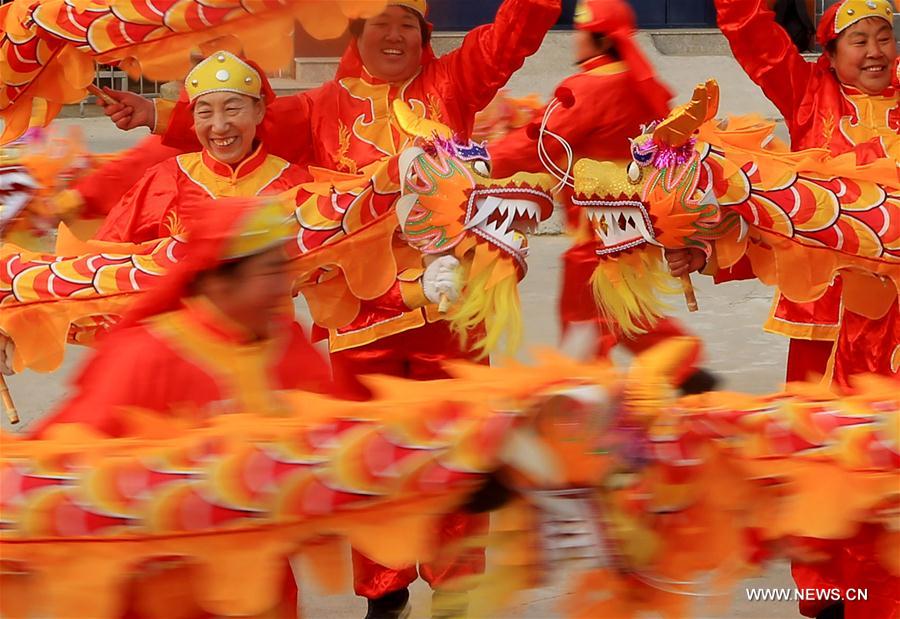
{"x":482,"y":168}
{"x":634,"y":172}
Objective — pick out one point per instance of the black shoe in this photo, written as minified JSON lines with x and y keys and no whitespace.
{"x":700,"y":381}
{"x":394,"y":605}
{"x":835,"y":611}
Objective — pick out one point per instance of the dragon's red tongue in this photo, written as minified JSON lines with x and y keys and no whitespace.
{"x":496,"y":218}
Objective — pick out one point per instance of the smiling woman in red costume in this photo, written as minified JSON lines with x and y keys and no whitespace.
{"x":347,"y":123}
{"x":845,"y":102}
{"x":227,"y":100}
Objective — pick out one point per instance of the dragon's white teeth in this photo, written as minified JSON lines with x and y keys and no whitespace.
{"x":616,"y":225}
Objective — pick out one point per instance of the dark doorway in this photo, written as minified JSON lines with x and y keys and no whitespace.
{"x":675,"y":13}
{"x":466,"y":14}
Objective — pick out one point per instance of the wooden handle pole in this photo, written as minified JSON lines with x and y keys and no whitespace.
{"x":444,"y":304}
{"x":11,"y":411}
{"x":101,"y":95}
{"x":687,"y":286}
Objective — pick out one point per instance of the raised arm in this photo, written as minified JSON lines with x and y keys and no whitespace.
{"x":104,"y":187}
{"x":490,"y":54}
{"x":765,"y":51}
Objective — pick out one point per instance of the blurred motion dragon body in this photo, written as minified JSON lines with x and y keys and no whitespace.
{"x":651,"y":499}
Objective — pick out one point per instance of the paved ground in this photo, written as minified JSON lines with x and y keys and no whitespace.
{"x":729,"y":321}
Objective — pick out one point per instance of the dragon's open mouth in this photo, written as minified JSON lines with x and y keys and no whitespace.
{"x":619,"y":224}
{"x":17,"y":188}
{"x":446,"y":200}
{"x":504,"y":217}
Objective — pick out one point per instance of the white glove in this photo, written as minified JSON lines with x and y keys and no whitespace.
{"x":441,"y":277}
{"x":7,"y":353}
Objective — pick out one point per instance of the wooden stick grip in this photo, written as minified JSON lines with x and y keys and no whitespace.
{"x":8,"y":404}
{"x":101,"y":95}
{"x":687,"y":286}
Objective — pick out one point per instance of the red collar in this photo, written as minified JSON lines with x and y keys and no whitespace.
{"x":597,"y":61}
{"x":250,"y":163}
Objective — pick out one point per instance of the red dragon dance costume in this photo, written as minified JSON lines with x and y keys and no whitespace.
{"x":820,"y":112}
{"x":180,"y":356}
{"x":618,"y":96}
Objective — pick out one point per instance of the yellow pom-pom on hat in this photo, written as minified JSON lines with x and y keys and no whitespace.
{"x":223,"y":72}
{"x":853,"y":11}
{"x":419,"y":6}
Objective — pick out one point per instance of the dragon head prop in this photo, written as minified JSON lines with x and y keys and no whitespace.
{"x":735,"y":191}
{"x":451,"y":206}
{"x":36,"y":171}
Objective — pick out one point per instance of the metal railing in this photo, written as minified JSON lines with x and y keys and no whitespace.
{"x":117,"y":79}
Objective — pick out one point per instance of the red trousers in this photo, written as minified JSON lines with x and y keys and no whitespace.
{"x":868,"y":346}
{"x":852,"y":563}
{"x":807,"y":359}
{"x":863,"y":345}
{"x":415,"y":354}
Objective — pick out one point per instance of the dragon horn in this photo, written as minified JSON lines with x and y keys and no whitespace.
{"x":418,"y":126}
{"x":684,"y":120}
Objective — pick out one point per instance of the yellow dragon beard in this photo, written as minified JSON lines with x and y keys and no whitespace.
{"x":627,"y":289}
{"x":491,"y":298}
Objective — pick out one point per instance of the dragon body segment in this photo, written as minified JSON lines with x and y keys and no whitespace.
{"x":643,"y":476}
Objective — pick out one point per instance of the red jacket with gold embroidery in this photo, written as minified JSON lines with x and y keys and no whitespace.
{"x":820,"y":112}
{"x":150,"y":207}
